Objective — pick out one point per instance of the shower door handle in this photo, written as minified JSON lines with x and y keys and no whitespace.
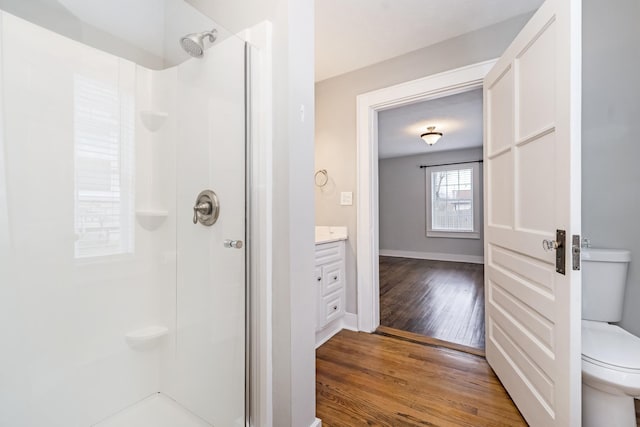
{"x":236,"y":244}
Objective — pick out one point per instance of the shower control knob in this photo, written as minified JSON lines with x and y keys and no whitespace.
{"x":206,"y":208}
{"x":236,"y":244}
{"x":203,"y":208}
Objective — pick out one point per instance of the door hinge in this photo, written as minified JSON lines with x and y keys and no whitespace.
{"x":576,"y":251}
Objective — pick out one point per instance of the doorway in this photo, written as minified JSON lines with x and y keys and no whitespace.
{"x":430,"y":219}
{"x":453,"y":82}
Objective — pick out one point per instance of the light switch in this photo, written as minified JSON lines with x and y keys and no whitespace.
{"x":346,"y":198}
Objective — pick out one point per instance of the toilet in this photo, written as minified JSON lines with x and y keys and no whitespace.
{"x":610,"y":355}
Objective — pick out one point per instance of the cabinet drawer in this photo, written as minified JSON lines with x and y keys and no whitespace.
{"x":328,"y":252}
{"x":332,"y":307}
{"x":332,"y":279}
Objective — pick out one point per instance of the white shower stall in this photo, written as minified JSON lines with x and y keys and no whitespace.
{"x":116,"y":309}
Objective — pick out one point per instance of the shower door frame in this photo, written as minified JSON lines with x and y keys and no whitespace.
{"x":258,"y":235}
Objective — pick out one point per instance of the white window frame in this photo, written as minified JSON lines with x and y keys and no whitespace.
{"x":475,"y":176}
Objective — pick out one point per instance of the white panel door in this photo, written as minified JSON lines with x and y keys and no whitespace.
{"x":532,"y":182}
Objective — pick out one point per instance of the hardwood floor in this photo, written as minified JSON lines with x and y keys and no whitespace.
{"x":440,"y":299}
{"x":425,"y":340}
{"x":366,"y":379}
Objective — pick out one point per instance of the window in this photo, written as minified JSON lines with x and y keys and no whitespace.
{"x":453,"y":201}
{"x":103,"y":134}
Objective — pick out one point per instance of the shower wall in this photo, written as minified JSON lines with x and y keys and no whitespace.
{"x":80,"y":270}
{"x":100,"y":163}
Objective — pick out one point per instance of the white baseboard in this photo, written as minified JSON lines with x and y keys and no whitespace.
{"x":324,"y":335}
{"x":317,"y":423}
{"x":348,"y":321}
{"x":473,"y":259}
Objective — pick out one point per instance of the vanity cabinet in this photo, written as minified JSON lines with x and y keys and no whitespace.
{"x":329,"y":282}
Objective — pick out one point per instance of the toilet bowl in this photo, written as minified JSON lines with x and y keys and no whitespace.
{"x":610,"y":355}
{"x":610,"y":375}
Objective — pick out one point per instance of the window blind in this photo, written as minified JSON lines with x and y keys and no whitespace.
{"x":452,"y":200}
{"x":103,"y":137}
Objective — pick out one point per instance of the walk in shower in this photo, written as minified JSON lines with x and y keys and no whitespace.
{"x":122,"y":216}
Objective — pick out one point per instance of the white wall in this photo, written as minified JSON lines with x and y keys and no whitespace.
{"x":402,"y":201}
{"x":610,"y":136}
{"x":336,"y":116}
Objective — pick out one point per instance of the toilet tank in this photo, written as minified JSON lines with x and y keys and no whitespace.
{"x":604,"y":278}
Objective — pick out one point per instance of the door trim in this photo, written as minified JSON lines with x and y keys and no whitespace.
{"x":368,"y":105}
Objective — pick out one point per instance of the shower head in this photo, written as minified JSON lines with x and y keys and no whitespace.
{"x":193,"y":43}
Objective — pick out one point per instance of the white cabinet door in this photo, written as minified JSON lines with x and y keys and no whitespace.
{"x":318,"y":285}
{"x":532,"y":182}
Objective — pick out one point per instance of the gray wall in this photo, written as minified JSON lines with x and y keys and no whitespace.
{"x":610,"y":136}
{"x":402,"y":199}
{"x":336,"y":116}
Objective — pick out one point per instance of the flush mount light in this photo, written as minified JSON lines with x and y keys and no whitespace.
{"x":430,"y":136}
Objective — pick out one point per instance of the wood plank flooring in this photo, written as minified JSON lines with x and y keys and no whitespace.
{"x":440,"y":299}
{"x":425,"y":340}
{"x":366,"y":379}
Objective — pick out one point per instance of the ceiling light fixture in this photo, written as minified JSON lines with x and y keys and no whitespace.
{"x":430,"y":136}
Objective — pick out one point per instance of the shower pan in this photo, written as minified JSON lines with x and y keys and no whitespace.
{"x":123,"y":285}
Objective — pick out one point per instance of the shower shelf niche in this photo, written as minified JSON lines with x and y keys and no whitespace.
{"x":153,"y":120}
{"x":151,"y":219}
{"x":146,"y":338}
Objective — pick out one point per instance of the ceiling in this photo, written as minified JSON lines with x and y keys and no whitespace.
{"x":458,"y":117}
{"x":352,"y":34}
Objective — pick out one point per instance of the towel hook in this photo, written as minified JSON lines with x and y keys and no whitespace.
{"x":321,"y":177}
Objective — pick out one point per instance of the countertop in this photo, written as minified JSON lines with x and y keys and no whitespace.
{"x":328,"y":234}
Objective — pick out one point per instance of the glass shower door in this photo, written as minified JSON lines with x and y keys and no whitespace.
{"x":207,"y":373}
